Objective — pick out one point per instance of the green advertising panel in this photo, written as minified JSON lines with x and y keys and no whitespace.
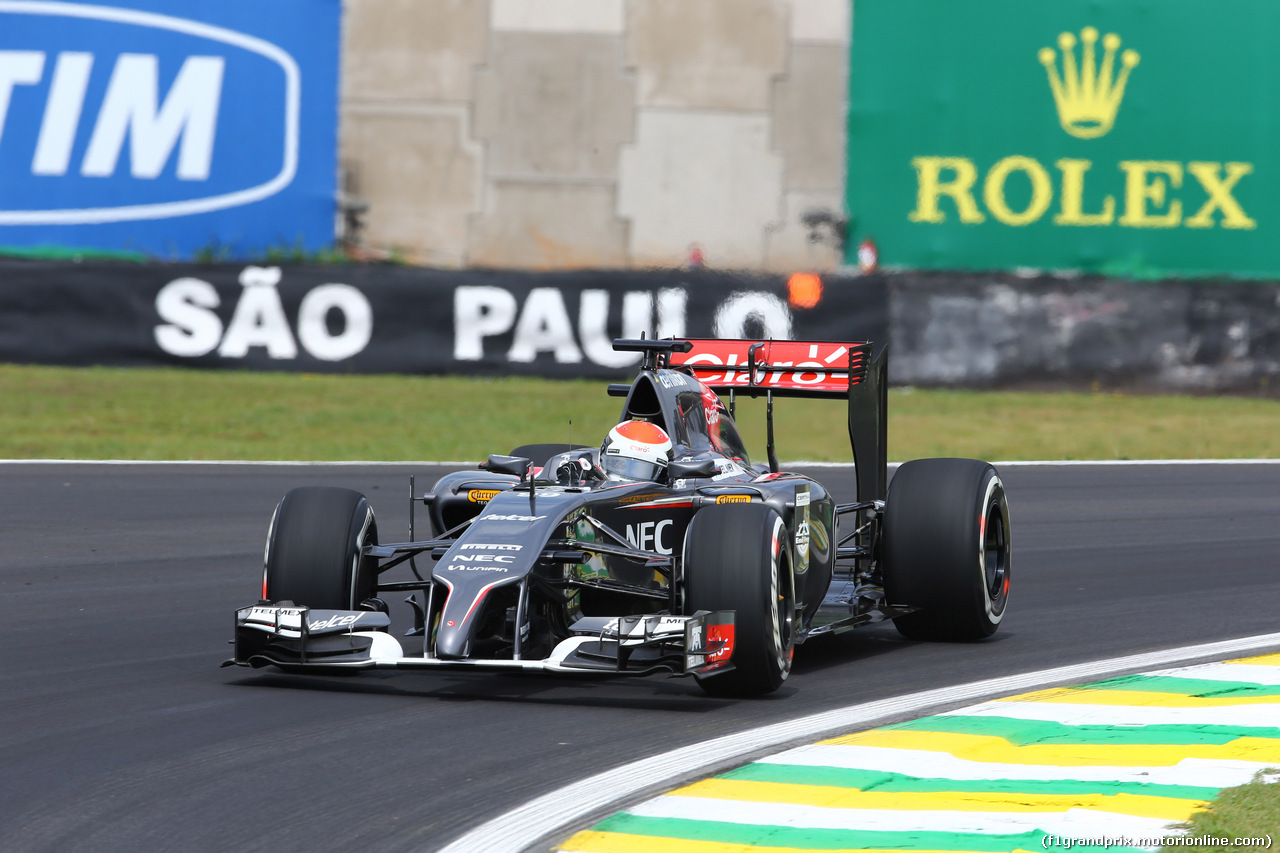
{"x":1131,"y":138}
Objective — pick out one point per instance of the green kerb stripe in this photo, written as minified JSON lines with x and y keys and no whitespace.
{"x":873,"y":780}
{"x":821,"y":839}
{"x":1024,"y":732}
{"x":1201,"y":687}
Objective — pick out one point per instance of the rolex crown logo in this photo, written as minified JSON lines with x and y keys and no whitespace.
{"x":1087,"y":96}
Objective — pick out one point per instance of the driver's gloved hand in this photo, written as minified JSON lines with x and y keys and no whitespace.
{"x":575,"y":472}
{"x":591,"y":471}
{"x":569,"y":474}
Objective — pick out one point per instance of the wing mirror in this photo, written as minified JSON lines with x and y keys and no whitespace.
{"x":696,"y":469}
{"x":517,"y":466}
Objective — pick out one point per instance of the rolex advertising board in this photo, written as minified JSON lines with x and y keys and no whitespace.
{"x":1124,"y":138}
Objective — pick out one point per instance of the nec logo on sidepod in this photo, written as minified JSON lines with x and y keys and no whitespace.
{"x":112,"y":115}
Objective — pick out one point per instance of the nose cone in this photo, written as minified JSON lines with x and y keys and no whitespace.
{"x":463,"y":610}
{"x":451,"y":642}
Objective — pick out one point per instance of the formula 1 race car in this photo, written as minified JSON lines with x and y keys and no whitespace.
{"x":563,"y":559}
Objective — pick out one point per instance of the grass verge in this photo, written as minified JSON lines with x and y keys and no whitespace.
{"x":1248,"y":812}
{"x":144,"y":413}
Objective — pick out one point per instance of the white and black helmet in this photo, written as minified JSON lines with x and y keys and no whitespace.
{"x":636,"y":450}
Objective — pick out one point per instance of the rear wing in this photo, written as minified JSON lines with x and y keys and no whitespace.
{"x":787,"y":368}
{"x":794,"y":369}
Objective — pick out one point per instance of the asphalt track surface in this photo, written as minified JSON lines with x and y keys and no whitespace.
{"x":118,"y":731}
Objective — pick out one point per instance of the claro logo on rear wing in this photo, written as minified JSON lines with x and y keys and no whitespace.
{"x":788,"y":368}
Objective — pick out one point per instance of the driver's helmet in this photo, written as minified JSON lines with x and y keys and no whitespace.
{"x":636,"y":450}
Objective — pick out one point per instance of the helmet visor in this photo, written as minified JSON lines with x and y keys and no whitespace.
{"x":626,"y":468}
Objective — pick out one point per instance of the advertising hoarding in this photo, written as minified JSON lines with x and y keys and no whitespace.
{"x":168,"y":129}
{"x":1130,"y":138}
{"x":398,"y":319}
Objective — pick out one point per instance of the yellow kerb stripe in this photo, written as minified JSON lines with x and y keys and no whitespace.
{"x":829,"y":797}
{"x":1139,"y":698}
{"x":616,"y":842}
{"x":1264,"y":660}
{"x":996,"y":749}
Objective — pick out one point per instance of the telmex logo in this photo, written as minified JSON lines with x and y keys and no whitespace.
{"x":88,"y":104}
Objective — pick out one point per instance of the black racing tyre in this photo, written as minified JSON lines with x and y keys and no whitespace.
{"x":314,"y":546}
{"x":736,"y":558}
{"x":946,"y":549}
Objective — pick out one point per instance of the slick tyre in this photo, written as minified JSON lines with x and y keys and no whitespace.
{"x":314,"y":549}
{"x":736,"y":558}
{"x":946,"y":549}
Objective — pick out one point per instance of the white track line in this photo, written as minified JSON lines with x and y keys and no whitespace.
{"x":555,"y":813}
{"x":1262,"y":715}
{"x":1052,"y":463}
{"x":1068,"y":463}
{"x":1052,"y":821}
{"x":346,"y":464}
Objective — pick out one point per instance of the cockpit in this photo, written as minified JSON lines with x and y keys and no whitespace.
{"x":695,"y":417}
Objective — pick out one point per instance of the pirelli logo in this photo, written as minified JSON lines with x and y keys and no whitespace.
{"x":733,"y":499}
{"x":482,"y":496}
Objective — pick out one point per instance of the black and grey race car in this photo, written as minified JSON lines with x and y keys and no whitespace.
{"x":540,"y":561}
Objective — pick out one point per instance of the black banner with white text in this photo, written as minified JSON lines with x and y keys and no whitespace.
{"x":969,"y":330}
{"x":387,"y":319}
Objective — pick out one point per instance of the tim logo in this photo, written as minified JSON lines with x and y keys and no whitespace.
{"x":112,"y":115}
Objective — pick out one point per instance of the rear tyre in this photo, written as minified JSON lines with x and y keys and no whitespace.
{"x":946,"y":549}
{"x":735,"y":558}
{"x":314,"y":549}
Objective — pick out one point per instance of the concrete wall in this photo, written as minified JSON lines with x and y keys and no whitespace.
{"x":595,"y":133}
{"x":998,"y":330}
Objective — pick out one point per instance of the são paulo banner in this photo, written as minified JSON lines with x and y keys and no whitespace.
{"x":1134,"y":137}
{"x":395,"y":319}
{"x":168,"y":129}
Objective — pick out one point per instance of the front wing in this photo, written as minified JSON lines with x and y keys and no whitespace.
{"x":298,"y":638}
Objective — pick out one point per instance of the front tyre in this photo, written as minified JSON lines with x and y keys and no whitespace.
{"x":315,"y":546}
{"x":735,"y":558}
{"x":946,"y":549}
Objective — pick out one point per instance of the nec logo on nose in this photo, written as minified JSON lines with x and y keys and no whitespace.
{"x":110,"y":114}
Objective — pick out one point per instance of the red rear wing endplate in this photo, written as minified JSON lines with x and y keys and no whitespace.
{"x":787,"y":368}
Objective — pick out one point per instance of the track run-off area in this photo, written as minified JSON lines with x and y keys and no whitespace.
{"x":119,"y":730}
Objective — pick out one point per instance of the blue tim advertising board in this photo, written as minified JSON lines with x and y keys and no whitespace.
{"x":168,"y":128}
